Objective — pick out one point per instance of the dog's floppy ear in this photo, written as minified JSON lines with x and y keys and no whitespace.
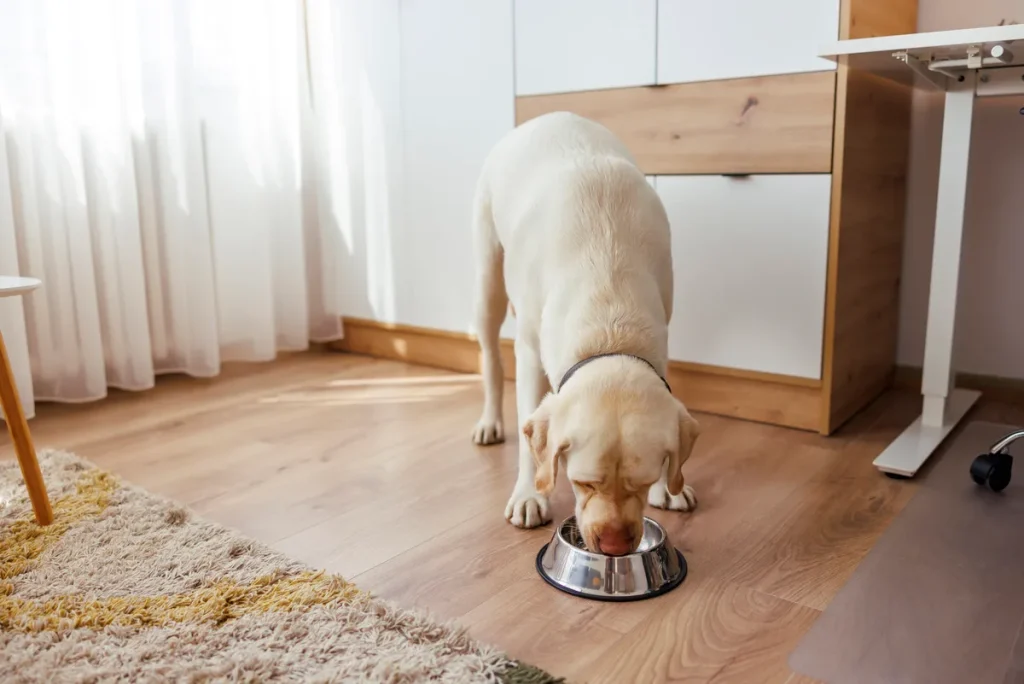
{"x":545,"y":456}
{"x":689,"y":431}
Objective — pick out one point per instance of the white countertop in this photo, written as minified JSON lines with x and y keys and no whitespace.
{"x":876,"y":54}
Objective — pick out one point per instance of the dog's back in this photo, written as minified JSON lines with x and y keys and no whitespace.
{"x":567,"y":200}
{"x":545,"y":158}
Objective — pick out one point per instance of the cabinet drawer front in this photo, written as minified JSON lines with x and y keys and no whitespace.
{"x":569,"y":45}
{"x":750,"y":259}
{"x":775,"y":124}
{"x":703,"y":41}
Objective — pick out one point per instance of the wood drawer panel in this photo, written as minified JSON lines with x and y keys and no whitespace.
{"x":771,"y":124}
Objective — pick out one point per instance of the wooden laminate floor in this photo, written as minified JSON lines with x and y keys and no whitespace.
{"x":366,"y":468}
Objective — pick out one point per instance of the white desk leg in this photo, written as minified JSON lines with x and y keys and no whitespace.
{"x":943,"y":407}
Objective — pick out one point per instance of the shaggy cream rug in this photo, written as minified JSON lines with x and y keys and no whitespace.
{"x":126,"y":586}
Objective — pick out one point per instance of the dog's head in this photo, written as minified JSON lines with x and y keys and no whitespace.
{"x":614,"y":434}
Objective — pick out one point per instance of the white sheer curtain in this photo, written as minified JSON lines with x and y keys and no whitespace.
{"x":164,"y":171}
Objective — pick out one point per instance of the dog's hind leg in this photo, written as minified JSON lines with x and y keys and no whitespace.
{"x":491,"y":308}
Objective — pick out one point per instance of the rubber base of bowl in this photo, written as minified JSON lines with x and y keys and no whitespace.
{"x":664,"y":589}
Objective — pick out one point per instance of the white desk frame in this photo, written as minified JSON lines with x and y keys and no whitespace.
{"x":966,"y":64}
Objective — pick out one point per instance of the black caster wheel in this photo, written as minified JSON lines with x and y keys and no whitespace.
{"x":994,"y":470}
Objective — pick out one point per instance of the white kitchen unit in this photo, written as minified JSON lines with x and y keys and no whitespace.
{"x":787,"y":218}
{"x":573,"y":45}
{"x":783,"y":178}
{"x":750,"y":257}
{"x":705,"y":41}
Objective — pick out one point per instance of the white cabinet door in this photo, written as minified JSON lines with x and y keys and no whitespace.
{"x":749,"y":256}
{"x":571,"y":45}
{"x":703,"y":41}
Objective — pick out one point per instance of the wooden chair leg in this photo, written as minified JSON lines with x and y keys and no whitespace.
{"x":17,"y":426}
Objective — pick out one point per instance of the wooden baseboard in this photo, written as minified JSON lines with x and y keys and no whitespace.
{"x":749,"y":398}
{"x":1007,"y":389}
{"x":421,"y":346}
{"x":762,"y":397}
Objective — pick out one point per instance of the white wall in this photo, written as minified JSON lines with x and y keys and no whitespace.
{"x":457,"y":102}
{"x":990,"y":323}
{"x":438,"y":79}
{"x":357,"y":82}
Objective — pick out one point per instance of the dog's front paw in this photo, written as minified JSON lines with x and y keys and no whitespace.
{"x":527,"y":508}
{"x":659,"y":497}
{"x":488,"y":431}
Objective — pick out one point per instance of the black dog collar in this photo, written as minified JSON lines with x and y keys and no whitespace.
{"x":569,"y":373}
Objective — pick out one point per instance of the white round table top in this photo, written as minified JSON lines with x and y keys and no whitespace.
{"x":12,"y":286}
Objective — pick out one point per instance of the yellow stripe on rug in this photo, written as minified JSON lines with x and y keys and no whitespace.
{"x":25,"y":541}
{"x":222,"y":601}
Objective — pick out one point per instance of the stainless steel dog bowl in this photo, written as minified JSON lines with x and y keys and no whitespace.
{"x":653,"y":569}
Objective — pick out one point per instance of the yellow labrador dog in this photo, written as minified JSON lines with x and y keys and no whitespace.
{"x":568,"y":229}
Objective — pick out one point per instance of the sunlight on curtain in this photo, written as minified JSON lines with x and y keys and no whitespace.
{"x":160,"y":172}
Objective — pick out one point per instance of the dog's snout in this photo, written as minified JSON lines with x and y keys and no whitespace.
{"x":615,"y":540}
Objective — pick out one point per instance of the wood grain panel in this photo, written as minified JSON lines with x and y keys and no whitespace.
{"x":763,"y":397}
{"x":718,"y":622}
{"x":423,"y":346}
{"x":687,"y":367}
{"x":759,"y":400}
{"x":852,"y":519}
{"x":873,"y":18}
{"x":772,"y":124}
{"x":867,"y":223}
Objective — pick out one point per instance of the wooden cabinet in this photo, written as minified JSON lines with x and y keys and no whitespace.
{"x":704,"y":41}
{"x":750,"y":257}
{"x":783,"y":179}
{"x":573,"y":45}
